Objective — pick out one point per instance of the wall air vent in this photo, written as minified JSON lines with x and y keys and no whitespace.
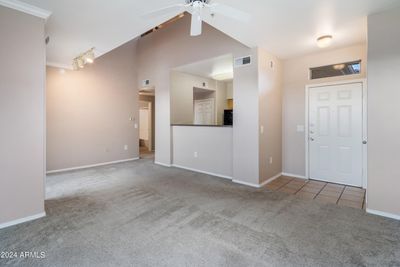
{"x":242,"y":61}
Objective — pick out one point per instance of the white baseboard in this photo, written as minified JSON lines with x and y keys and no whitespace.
{"x":246,"y":183}
{"x":270,"y":179}
{"x":384,"y":214}
{"x":258,"y":185}
{"x":205,"y":172}
{"x":91,"y":166}
{"x":294,"y":175}
{"x":22,"y":220}
{"x":162,"y":164}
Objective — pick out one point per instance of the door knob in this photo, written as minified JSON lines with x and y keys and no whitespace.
{"x":311,"y":139}
{"x":364,"y":142}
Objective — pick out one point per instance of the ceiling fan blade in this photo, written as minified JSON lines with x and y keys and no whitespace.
{"x":197,"y":22}
{"x":230,"y":12}
{"x":165,"y":10}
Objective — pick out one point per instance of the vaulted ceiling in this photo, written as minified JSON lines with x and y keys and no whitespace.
{"x":286,"y":28}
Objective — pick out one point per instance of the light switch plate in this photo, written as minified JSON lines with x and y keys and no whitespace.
{"x":300,"y":128}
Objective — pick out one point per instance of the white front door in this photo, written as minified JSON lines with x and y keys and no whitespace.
{"x":335,"y":133}
{"x":204,"y":112}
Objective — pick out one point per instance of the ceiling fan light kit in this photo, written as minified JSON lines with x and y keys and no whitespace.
{"x":199,"y":9}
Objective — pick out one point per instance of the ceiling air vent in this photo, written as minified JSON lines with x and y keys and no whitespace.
{"x":242,"y":61}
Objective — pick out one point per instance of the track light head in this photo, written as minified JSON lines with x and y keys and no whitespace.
{"x":85,"y":58}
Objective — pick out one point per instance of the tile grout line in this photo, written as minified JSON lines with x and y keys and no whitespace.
{"x":291,"y":179}
{"x":337,"y":202}
{"x":320,"y":190}
{"x":302,"y":187}
{"x":363,"y":202}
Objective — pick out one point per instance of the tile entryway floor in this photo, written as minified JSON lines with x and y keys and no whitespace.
{"x":321,"y":191}
{"x":145,"y":153}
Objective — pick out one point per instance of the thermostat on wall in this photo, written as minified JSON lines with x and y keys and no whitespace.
{"x":145,"y":83}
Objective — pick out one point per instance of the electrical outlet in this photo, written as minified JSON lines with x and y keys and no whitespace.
{"x":195,"y":154}
{"x":270,"y":160}
{"x":125,"y":147}
{"x":262,"y":129}
{"x":136,"y":125}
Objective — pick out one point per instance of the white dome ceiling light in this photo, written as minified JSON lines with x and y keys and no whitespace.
{"x":324,"y":41}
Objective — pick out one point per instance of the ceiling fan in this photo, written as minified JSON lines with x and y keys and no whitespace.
{"x":198,"y":9}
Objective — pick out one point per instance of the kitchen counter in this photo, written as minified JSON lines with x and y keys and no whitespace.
{"x":202,"y":125}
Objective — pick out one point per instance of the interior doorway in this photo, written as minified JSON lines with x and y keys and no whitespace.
{"x":146,"y":123}
{"x":335,"y":133}
{"x":204,"y":112}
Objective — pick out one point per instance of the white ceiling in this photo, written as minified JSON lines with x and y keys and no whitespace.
{"x":220,"y":68}
{"x":285,"y":28}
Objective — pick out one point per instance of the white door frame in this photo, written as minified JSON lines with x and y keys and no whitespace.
{"x":364,"y":123}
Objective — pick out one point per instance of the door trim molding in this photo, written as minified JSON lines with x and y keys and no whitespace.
{"x":364,"y":123}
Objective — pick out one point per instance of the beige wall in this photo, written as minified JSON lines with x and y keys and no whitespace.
{"x":22,"y":115}
{"x":383,"y":192}
{"x":229,"y":90}
{"x":88,"y":111}
{"x":171,"y":47}
{"x":270,"y":108}
{"x":295,"y":78}
{"x":246,"y":122}
{"x":221,"y":101}
{"x":182,"y":95}
{"x":213,"y":146}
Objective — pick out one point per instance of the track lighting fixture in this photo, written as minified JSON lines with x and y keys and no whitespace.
{"x":85,"y":58}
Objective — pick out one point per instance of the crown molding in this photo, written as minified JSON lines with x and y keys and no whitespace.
{"x":26,"y":8}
